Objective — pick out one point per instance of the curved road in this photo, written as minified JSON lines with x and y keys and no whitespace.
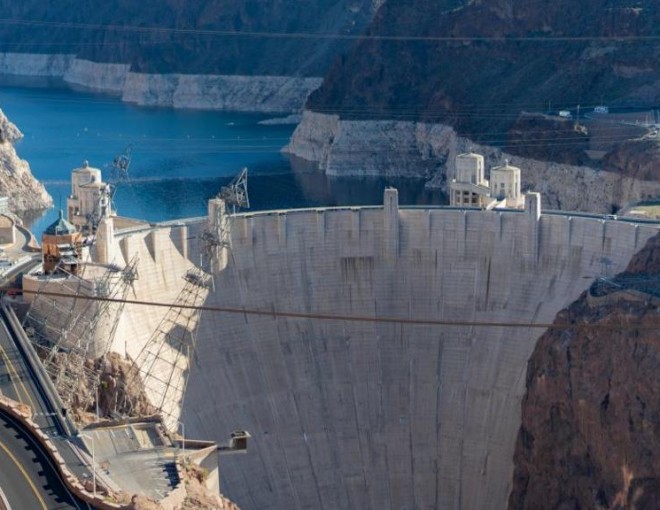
{"x":27,"y":475}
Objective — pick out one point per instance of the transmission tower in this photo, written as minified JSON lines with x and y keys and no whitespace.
{"x":216,"y":236}
{"x":104,"y":203}
{"x":65,"y":335}
{"x":164,"y":362}
{"x":120,"y":167}
{"x":236,"y":193}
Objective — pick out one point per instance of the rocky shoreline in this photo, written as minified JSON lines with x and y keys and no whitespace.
{"x":268,"y":94}
{"x":418,"y":149}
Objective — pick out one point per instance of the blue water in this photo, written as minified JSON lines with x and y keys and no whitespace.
{"x":181,"y":158}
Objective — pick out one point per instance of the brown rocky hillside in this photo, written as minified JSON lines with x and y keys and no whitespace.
{"x":590,"y":434}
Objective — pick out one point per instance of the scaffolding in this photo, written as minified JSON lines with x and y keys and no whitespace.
{"x":65,"y":331}
{"x":164,"y":362}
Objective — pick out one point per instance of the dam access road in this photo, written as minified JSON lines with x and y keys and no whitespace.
{"x":28,"y":478}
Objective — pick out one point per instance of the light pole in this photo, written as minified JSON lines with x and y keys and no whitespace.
{"x":183,"y":437}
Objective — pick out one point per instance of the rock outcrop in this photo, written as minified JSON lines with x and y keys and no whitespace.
{"x":590,"y":431}
{"x":16,"y":180}
{"x":194,"y":91}
{"x":639,"y":159}
{"x":226,"y":37}
{"x":410,"y":148}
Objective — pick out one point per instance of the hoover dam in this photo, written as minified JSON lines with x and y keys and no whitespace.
{"x":397,"y":410}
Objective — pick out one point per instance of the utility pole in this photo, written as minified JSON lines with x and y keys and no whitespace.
{"x":183,"y":438}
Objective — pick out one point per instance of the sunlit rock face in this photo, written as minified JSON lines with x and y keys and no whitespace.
{"x":16,"y":180}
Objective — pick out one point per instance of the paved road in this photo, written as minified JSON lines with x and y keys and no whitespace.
{"x":19,"y":383}
{"x":27,"y":475}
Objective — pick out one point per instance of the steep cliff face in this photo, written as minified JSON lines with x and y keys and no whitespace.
{"x":591,"y":417}
{"x":204,"y":55}
{"x":639,"y":159}
{"x":16,"y":180}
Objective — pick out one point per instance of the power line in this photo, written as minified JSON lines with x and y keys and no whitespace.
{"x":322,"y":35}
{"x":350,"y":318}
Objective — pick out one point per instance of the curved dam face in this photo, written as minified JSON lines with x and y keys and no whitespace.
{"x":368,"y":414}
{"x":373,"y":415}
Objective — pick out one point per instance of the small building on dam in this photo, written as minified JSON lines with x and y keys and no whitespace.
{"x":377,"y":355}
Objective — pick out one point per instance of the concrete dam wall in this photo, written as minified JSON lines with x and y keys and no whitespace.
{"x":366,"y":414}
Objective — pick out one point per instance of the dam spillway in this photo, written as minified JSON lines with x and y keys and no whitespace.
{"x":371,"y":415}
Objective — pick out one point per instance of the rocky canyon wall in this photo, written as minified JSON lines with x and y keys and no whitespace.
{"x":196,"y":91}
{"x":590,"y":416}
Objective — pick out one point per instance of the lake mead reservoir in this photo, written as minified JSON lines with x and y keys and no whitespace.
{"x":180,"y":158}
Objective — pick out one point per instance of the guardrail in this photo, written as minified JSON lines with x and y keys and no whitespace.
{"x":604,"y":217}
{"x":43,"y":380}
{"x":272,"y":212}
{"x":14,"y":410}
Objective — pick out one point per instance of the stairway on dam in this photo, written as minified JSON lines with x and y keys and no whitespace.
{"x":369,"y":414}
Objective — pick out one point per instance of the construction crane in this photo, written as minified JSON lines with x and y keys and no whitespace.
{"x":236,"y":193}
{"x":120,"y":169}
